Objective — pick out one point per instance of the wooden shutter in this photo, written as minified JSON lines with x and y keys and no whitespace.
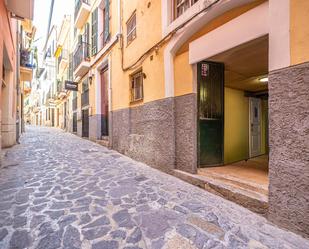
{"x":106,"y":21}
{"x":94,"y":32}
{"x":86,"y":40}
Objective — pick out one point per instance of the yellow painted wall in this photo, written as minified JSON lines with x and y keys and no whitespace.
{"x":236,"y":123}
{"x":219,"y":21}
{"x":299,"y":31}
{"x":92,"y":98}
{"x":148,"y":33}
{"x":183,"y":75}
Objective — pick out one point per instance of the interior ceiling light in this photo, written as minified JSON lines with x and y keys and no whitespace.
{"x":264,"y":79}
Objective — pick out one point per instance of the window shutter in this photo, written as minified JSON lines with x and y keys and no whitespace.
{"x":86,"y":40}
{"x":86,"y":33}
{"x":94,"y":32}
{"x":80,"y":39}
{"x":106,"y":21}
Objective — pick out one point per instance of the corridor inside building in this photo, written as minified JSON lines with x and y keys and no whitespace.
{"x":234,"y":147}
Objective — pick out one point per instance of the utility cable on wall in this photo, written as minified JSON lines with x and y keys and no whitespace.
{"x":161,"y":42}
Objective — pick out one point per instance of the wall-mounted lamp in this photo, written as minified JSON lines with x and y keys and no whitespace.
{"x":90,"y":76}
{"x":264,"y":79}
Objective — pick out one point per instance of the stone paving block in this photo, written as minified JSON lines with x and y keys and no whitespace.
{"x":104,"y":200}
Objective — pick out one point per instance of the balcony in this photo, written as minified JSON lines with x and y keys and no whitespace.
{"x":81,"y":60}
{"x":60,"y":90}
{"x":21,"y":9}
{"x":63,"y":60}
{"x":74,"y":104}
{"x":85,"y":98}
{"x":82,"y":11}
{"x":26,"y":65}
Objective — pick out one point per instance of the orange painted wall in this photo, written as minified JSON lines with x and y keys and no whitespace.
{"x":299,"y":31}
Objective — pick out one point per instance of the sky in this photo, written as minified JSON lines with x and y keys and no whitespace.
{"x":41,"y":15}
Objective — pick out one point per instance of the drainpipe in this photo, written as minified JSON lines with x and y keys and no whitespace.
{"x":119,"y":37}
{"x":120,"y":18}
{"x":18,"y":97}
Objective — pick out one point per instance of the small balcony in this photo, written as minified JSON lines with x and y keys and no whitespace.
{"x":63,"y":60}
{"x":81,"y":60}
{"x":60,"y":90}
{"x":85,"y":98}
{"x":26,"y":65}
{"x":82,"y":11}
{"x":24,"y":9}
{"x":74,"y":104}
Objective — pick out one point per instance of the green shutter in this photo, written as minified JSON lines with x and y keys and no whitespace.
{"x":106,"y":21}
{"x":94,"y":32}
{"x":86,"y":38}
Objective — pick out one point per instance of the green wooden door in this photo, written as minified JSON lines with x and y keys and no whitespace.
{"x":211,"y":113}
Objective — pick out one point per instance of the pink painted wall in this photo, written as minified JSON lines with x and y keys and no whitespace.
{"x":8,"y":42}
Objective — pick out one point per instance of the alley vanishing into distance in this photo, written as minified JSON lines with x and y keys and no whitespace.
{"x":61,"y":191}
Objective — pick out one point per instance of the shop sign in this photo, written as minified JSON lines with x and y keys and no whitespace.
{"x":70,"y":85}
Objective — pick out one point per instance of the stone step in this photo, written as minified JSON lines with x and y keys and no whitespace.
{"x":238,"y":182}
{"x":103,"y":142}
{"x":253,"y":200}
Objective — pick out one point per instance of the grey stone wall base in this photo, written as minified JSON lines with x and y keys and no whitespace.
{"x":161,"y":133}
{"x":79,"y":128}
{"x":95,"y":127}
{"x":289,"y":148}
{"x":186,"y":133}
{"x":146,"y":133}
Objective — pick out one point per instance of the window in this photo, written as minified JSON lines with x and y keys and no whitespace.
{"x":131,"y":28}
{"x":137,"y":86}
{"x":94,"y":32}
{"x":85,"y":85}
{"x":106,"y":22}
{"x":180,"y":6}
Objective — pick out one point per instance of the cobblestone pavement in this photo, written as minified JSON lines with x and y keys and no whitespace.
{"x":60,"y":191}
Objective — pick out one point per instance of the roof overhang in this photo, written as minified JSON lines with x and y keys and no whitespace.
{"x":22,"y":9}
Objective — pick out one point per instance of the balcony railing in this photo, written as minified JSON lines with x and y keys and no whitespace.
{"x":78,"y":4}
{"x":85,"y":98}
{"x":74,"y":104}
{"x":26,"y":59}
{"x":81,"y":54}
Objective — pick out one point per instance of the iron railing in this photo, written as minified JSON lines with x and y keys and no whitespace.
{"x":26,"y":59}
{"x":78,"y":4}
{"x":81,"y":54}
{"x":85,"y":98}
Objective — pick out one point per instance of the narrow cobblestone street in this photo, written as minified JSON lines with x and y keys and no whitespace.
{"x":60,"y":191}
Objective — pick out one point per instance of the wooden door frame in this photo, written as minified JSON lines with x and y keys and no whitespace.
{"x":104,"y":102}
{"x":84,"y":110}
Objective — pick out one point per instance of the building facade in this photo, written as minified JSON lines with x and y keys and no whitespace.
{"x":16,"y":66}
{"x":48,"y":79}
{"x":212,"y":91}
{"x":64,"y":65}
